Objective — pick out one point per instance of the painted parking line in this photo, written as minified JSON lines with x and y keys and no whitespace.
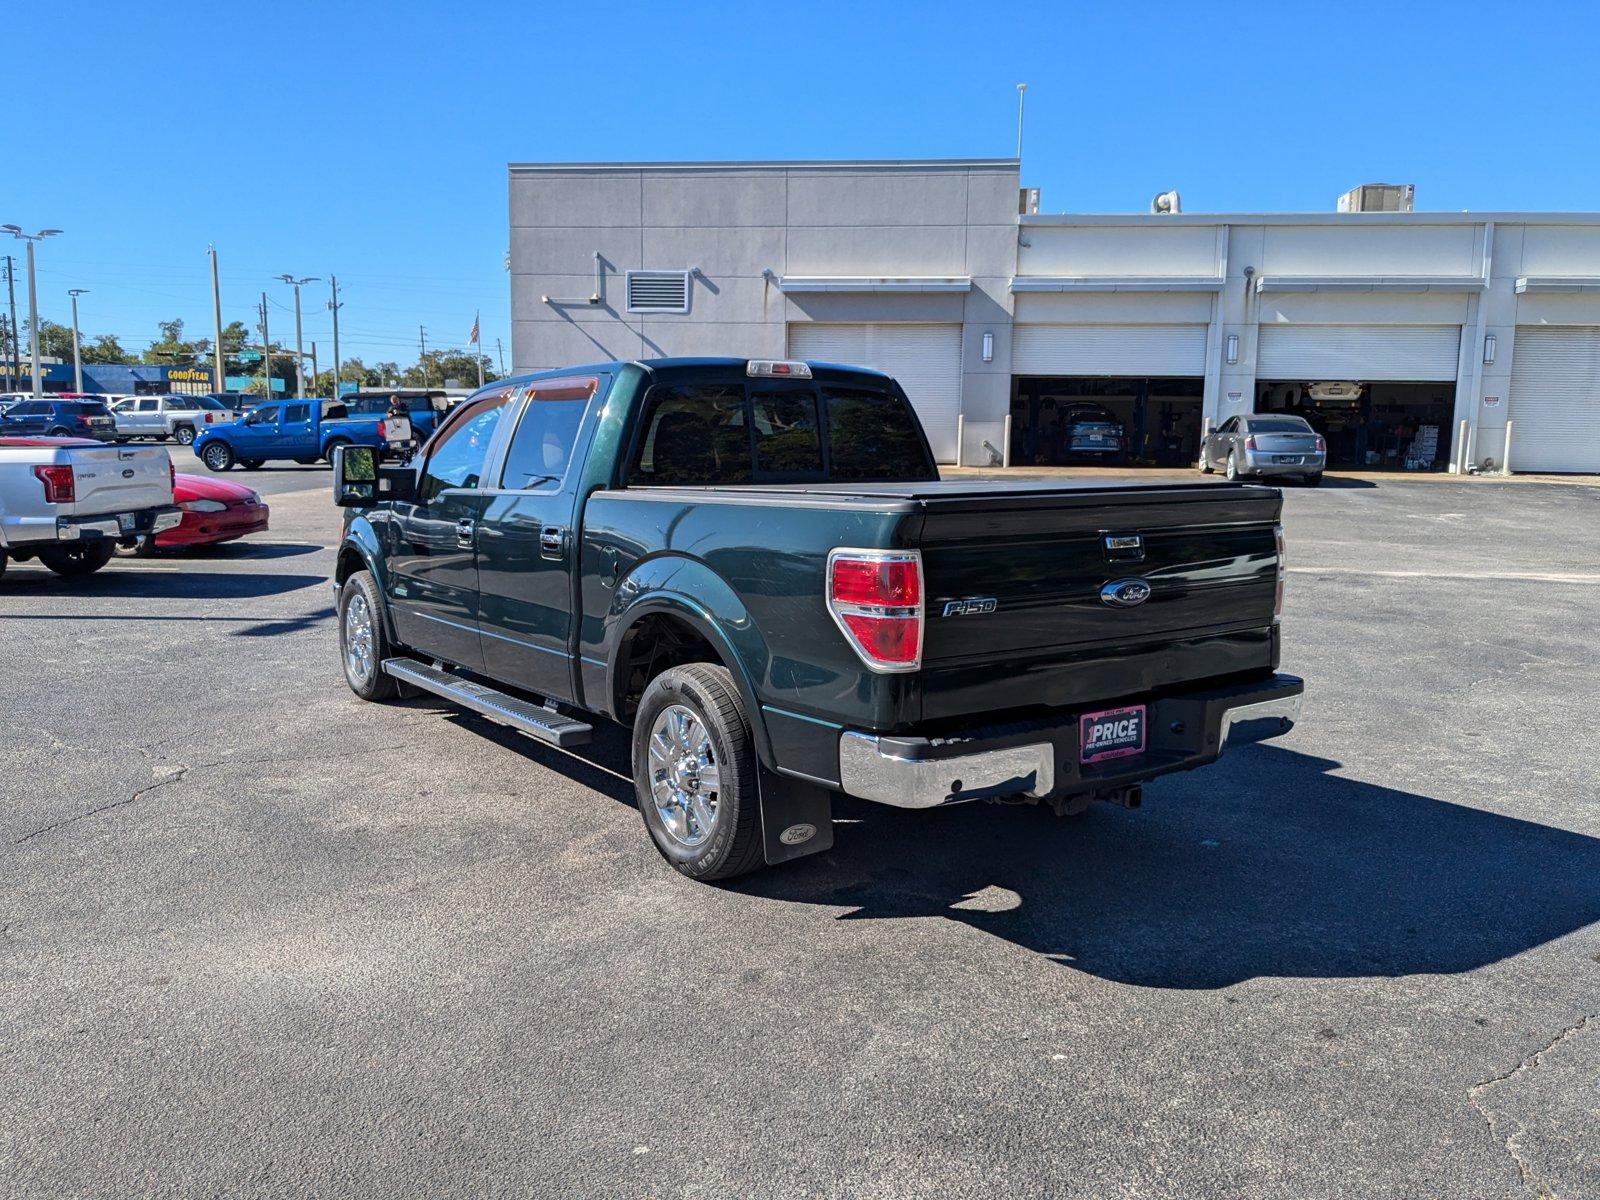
{"x":1574,"y":577}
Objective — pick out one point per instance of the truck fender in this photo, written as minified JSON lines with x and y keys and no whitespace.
{"x":360,"y":550}
{"x":685,"y":588}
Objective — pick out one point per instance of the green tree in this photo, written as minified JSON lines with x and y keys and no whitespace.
{"x":439,"y":365}
{"x":105,"y":348}
{"x":171,"y":350}
{"x":55,"y":341}
{"x":234,"y":338}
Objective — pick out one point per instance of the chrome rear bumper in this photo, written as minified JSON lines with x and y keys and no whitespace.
{"x":1041,"y":759}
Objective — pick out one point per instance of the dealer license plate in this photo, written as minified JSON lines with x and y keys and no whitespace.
{"x":1114,"y":733}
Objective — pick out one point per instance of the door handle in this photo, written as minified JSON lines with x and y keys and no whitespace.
{"x":552,"y":541}
{"x":464,"y":528}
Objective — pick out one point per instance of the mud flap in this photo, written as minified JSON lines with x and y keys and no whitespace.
{"x":796,"y":816}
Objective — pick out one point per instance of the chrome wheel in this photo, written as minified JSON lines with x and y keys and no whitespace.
{"x":358,"y":639}
{"x":684,"y":781}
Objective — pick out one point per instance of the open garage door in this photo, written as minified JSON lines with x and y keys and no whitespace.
{"x":925,"y":359}
{"x":1358,"y":352}
{"x":1555,"y":399}
{"x":1110,"y":350}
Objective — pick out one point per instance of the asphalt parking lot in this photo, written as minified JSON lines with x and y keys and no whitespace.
{"x":257,"y":937}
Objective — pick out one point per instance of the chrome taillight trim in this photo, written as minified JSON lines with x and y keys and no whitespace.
{"x":838,"y":610}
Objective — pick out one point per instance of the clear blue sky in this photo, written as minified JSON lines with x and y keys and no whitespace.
{"x":371,"y":141}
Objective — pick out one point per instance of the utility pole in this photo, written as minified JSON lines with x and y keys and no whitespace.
{"x":1022,"y":94}
{"x":299,"y":350}
{"x":77,"y":358}
{"x":422,"y":361}
{"x":501,"y":351}
{"x":216,"y":320}
{"x":266,"y":350}
{"x":333,"y":307}
{"x":313,"y":364}
{"x":16,"y":346}
{"x":33,"y":298}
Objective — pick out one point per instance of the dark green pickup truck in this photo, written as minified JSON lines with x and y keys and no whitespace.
{"x":756,"y":566}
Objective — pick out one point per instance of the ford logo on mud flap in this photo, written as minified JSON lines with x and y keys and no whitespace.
{"x":1125,"y":593}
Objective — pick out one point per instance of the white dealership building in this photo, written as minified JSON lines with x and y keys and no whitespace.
{"x":1388,"y":330}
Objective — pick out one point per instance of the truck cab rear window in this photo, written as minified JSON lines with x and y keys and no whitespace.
{"x":694,"y":435}
{"x":872,"y":436}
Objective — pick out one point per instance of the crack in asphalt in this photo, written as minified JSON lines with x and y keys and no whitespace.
{"x":144,"y":791}
{"x":1477,"y":1090}
{"x":182,"y":771}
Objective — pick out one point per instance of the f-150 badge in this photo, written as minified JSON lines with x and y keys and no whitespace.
{"x":969,"y":607}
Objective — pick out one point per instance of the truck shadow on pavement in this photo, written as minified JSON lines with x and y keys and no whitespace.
{"x":1265,"y":864}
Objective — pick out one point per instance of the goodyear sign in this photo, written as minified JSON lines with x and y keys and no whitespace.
{"x":188,"y":375}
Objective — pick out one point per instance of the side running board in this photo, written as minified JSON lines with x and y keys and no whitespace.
{"x":533,"y":719}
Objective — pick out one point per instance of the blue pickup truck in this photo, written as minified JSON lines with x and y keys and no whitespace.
{"x":307,"y":430}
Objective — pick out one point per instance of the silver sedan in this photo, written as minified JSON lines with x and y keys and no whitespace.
{"x":1265,"y":445}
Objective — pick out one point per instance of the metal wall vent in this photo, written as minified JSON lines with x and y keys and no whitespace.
{"x":658,"y":291}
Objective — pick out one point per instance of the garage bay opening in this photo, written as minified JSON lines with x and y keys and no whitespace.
{"x":1371,"y":426}
{"x":1112,"y":421}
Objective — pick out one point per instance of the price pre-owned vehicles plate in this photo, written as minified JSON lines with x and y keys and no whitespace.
{"x":1111,"y":733}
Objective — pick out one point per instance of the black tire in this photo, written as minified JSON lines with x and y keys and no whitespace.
{"x":217,"y":456}
{"x":184,"y":434}
{"x":59,"y":431}
{"x":365,"y":676}
{"x":73,"y":562}
{"x":1205,"y":464}
{"x":733,"y":845}
{"x":251,"y":464}
{"x":333,"y":444}
{"x":3,"y":560}
{"x":1314,"y":480}
{"x":1233,"y":471}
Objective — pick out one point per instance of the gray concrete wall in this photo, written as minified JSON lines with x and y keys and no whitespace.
{"x":743,"y":227}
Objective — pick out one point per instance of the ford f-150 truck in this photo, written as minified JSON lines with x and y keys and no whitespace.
{"x":69,"y":501}
{"x":308,"y":430}
{"x":756,"y":566}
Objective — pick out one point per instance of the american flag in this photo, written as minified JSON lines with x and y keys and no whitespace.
{"x":473,"y":339}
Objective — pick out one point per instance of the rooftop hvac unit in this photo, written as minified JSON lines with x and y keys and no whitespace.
{"x":1379,"y":197}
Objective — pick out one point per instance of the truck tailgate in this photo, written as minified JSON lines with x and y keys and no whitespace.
{"x":117,"y":479}
{"x":1207,"y":554}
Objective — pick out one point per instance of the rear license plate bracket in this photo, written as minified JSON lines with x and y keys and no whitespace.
{"x":1112,"y":733}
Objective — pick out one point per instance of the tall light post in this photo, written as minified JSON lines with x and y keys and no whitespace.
{"x":334,"y":306}
{"x":299,"y":350}
{"x":77,"y":358}
{"x":33,"y":298}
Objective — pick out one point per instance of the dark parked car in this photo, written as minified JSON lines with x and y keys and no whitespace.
{"x":59,"y":418}
{"x":1265,"y":444}
{"x":756,"y":566}
{"x":1090,"y":430}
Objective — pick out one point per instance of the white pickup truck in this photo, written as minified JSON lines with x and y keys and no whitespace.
{"x":69,"y":501}
{"x":172,"y":416}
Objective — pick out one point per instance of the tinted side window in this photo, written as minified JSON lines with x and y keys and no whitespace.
{"x":297,"y":412}
{"x":456,"y":459}
{"x":873,"y":436}
{"x":541,"y":449}
{"x":693,"y":435}
{"x":788,"y":441}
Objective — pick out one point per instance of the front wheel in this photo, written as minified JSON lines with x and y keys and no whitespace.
{"x":217,"y":456}
{"x":184,"y":434}
{"x":1205,"y":464}
{"x":363,"y":644}
{"x":72,"y":562}
{"x":694,"y":773}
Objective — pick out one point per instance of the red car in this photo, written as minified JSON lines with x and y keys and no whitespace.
{"x":214,"y":510}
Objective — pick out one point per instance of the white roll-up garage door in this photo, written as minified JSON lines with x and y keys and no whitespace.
{"x":1403,"y":353}
{"x":1555,"y":399}
{"x":1108,"y":350}
{"x":925,"y":359}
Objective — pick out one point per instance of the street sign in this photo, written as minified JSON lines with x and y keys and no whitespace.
{"x":248,"y":356}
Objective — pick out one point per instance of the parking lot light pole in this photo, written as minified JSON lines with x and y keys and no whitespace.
{"x":33,"y":299}
{"x":299,"y":349}
{"x":77,"y":358}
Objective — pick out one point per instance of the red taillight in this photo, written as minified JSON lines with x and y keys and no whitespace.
{"x":208,"y":418}
{"x":876,"y":596}
{"x":84,"y":421}
{"x":1322,"y":445}
{"x":1250,"y":442}
{"x":1277,"y":596}
{"x":59,"y":485}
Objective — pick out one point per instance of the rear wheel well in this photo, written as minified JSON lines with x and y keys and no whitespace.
{"x":655,"y":643}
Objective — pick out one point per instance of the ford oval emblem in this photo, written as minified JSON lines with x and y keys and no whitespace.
{"x":796,"y":834}
{"x":127,"y":473}
{"x":1125,"y":593}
